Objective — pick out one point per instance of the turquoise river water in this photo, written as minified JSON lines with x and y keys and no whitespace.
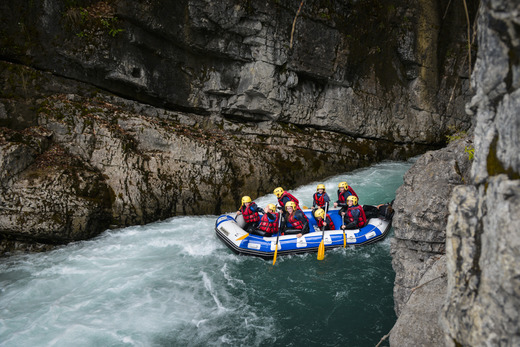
{"x":174,"y":283}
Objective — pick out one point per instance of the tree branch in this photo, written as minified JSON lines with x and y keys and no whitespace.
{"x":294,"y":24}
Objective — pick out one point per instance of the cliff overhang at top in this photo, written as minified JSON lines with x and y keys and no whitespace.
{"x":393,"y":71}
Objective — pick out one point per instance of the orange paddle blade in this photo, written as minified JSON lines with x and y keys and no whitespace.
{"x":321,"y":250}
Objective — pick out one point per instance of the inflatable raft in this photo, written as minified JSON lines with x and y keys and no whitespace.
{"x":239,"y":241}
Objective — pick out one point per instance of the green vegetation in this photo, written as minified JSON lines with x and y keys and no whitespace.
{"x":456,"y":134}
{"x":92,"y":20}
{"x":111,"y":25}
{"x":324,"y":15}
{"x":461,"y":134}
{"x":470,"y":150}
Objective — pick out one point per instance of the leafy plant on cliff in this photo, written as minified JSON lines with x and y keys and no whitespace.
{"x":470,"y":150}
{"x":93,"y":20}
{"x":461,"y":134}
{"x":456,"y":134}
{"x":111,"y":25}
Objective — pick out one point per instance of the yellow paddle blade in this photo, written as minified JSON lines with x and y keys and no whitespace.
{"x":344,"y":240}
{"x":305,"y":207}
{"x":321,"y":250}
{"x":275,"y":251}
{"x":242,"y":237}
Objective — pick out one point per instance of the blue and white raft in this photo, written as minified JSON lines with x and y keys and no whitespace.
{"x":231,"y":233}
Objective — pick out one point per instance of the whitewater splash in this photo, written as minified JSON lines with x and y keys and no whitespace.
{"x":174,"y":283}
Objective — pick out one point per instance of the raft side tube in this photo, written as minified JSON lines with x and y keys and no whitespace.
{"x":229,"y":231}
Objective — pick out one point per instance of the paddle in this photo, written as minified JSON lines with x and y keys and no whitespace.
{"x":321,"y":248}
{"x":277,"y":237}
{"x":344,"y":236}
{"x":243,"y":237}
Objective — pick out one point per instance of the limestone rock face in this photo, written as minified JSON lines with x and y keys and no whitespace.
{"x":418,"y":320}
{"x":483,"y":299}
{"x":392,"y":71}
{"x":167,"y":107}
{"x":48,"y":196}
{"x":482,"y":302}
{"x":421,"y":207}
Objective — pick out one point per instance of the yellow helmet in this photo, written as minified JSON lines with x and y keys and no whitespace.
{"x":272,"y":207}
{"x":278,"y":192}
{"x":246,"y":199}
{"x":353,"y":198}
{"x":319,"y":213}
{"x":320,"y":186}
{"x":343,"y":184}
{"x":292,"y":204}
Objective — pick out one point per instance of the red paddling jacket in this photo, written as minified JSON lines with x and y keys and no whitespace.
{"x":320,"y":200}
{"x":298,"y":221}
{"x":330,"y":224}
{"x":356,"y":214}
{"x":250,"y":213}
{"x":342,"y":196}
{"x":269,"y":223}
{"x":285,"y":198}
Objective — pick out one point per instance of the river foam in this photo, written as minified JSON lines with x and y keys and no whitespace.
{"x":174,"y":283}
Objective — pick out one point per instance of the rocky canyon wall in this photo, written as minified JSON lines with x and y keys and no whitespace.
{"x":120,"y":112}
{"x":361,"y":68}
{"x":456,"y":256}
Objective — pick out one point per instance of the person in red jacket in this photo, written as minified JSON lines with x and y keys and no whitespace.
{"x":323,"y":222}
{"x":269,"y":222}
{"x":344,"y":191}
{"x":320,"y":198}
{"x":354,"y":217}
{"x":284,"y":197}
{"x":250,"y":211}
{"x":297,"y":219}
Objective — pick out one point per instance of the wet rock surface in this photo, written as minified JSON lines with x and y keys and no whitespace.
{"x":473,"y":231}
{"x":482,"y":235}
{"x":421,"y":207}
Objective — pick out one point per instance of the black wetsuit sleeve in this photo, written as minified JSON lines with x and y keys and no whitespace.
{"x":354,"y":223}
{"x":304,"y":221}
{"x":271,"y":216}
{"x":255,"y":208}
{"x":326,"y":198}
{"x":351,"y":225}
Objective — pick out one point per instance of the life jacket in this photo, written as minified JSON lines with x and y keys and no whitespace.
{"x":296,"y":223}
{"x":250,"y":216}
{"x":268,"y":226}
{"x":362,"y":219}
{"x":352,"y":192}
{"x":342,"y":196}
{"x":291,"y":197}
{"x":330,"y":224}
{"x":319,"y":200}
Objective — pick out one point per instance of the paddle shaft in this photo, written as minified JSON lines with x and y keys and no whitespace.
{"x":325,"y":216}
{"x":277,"y":237}
{"x":321,"y":247}
{"x":344,"y":236}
